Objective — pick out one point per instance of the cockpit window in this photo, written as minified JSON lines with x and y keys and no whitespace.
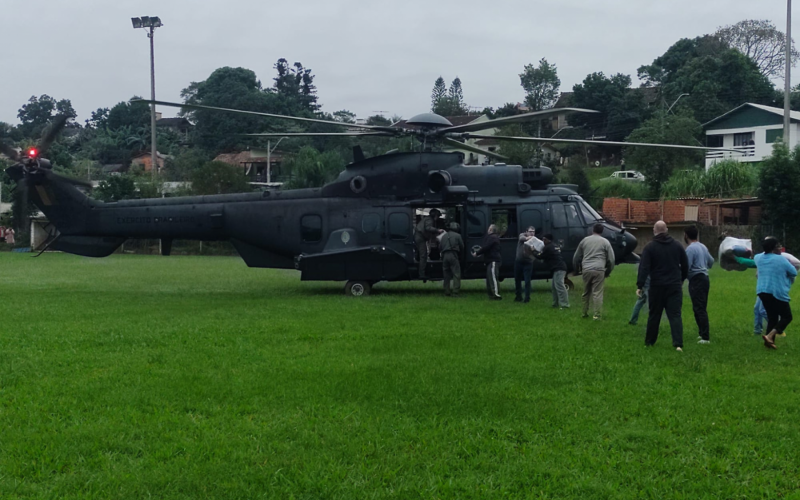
{"x":589,"y":213}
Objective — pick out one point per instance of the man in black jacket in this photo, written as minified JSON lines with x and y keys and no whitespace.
{"x":493,"y":258}
{"x":664,"y":260}
{"x":551,"y":255}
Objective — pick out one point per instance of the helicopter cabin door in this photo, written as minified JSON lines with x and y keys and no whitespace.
{"x":473,"y":232}
{"x":567,"y":227}
{"x":399,"y":237}
{"x":505,"y":218}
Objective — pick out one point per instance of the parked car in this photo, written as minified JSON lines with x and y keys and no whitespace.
{"x":628,"y":175}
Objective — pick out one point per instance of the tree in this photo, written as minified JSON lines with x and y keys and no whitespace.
{"x":379,"y":120}
{"x":216,"y":177}
{"x":541,"y":85}
{"x":716,"y":77}
{"x":230,"y":88}
{"x":576,"y":174}
{"x":116,"y":188}
{"x":344,"y":116}
{"x":523,"y":153}
{"x":310,"y":168}
{"x":296,"y":84}
{"x":621,"y":108}
{"x":779,"y":183}
{"x":657,"y":164}
{"x":455,"y":95}
{"x":438,"y":95}
{"x":37,"y":113}
{"x":762,"y":42}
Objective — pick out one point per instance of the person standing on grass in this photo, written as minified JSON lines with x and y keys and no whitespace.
{"x":594,"y":260}
{"x":523,"y":266}
{"x":551,"y":255}
{"x":700,"y":261}
{"x":452,"y":246}
{"x":775,"y":277}
{"x":664,"y":261}
{"x":493,"y":259}
{"x":641,"y":300}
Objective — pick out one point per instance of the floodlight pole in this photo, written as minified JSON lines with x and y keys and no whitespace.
{"x":153,"y":140}
{"x":787,"y":101}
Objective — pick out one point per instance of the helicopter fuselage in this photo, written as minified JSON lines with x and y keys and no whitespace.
{"x":359,"y":227}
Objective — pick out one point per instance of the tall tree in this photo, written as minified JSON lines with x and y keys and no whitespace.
{"x":716,"y":77}
{"x":37,"y":113}
{"x":762,"y":42}
{"x":216,"y":177}
{"x":438,"y":94}
{"x":296,"y":84}
{"x":456,"y":96}
{"x":779,"y":183}
{"x":541,"y":85}
{"x":344,"y":116}
{"x":658,"y":163}
{"x":621,"y":108}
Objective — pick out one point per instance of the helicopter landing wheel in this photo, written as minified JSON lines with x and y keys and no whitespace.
{"x":357,"y":288}
{"x":569,"y":284}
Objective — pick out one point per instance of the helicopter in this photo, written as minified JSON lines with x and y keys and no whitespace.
{"x":358,"y":228}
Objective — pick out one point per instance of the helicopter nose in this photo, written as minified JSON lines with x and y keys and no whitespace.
{"x":630,"y":247}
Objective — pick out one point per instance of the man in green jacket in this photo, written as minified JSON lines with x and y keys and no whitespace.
{"x":424,"y":231}
{"x":452,"y":247}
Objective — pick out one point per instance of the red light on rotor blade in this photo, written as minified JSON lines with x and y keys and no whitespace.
{"x":32,"y":153}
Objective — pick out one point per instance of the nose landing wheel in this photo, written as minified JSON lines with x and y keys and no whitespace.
{"x":357,"y":288}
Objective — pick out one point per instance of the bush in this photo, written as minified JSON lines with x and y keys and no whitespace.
{"x":726,"y":179}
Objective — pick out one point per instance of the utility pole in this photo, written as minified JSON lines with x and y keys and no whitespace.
{"x":151,"y":23}
{"x":787,"y":101}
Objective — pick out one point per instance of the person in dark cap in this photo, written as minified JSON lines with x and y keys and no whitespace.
{"x":424,"y":231}
{"x":551,"y":255}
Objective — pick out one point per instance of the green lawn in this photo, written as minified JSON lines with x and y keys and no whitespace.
{"x":195,"y":377}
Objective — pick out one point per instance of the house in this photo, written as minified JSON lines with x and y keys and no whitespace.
{"x":181,"y":126}
{"x":144,"y":160}
{"x":750,"y":131}
{"x":258,"y":165}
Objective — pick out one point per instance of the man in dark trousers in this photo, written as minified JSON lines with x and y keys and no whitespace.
{"x":664,"y":260}
{"x":699,"y":263}
{"x":452,"y":245}
{"x":424,"y":231}
{"x":493,"y":258}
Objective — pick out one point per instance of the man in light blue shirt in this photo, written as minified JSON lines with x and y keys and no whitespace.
{"x":699,"y":263}
{"x":775,"y":277}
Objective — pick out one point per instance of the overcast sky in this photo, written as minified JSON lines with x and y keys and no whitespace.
{"x":367,"y":55}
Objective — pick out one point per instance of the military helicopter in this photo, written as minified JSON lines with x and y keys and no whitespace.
{"x":358,"y":228}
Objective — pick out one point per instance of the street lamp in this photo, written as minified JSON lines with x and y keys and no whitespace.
{"x":151,"y":23}
{"x":676,"y":102}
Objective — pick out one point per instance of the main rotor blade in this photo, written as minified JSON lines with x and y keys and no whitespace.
{"x":499,"y":122}
{"x":475,"y":149}
{"x":51,"y":133}
{"x":9,"y":151}
{"x":605,"y":143}
{"x":321,"y":134}
{"x":269,"y":115}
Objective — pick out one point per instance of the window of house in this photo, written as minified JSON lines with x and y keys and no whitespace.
{"x":476,"y":224}
{"x":506,"y":221}
{"x":714,"y":141}
{"x":311,"y":228}
{"x":690,"y":212}
{"x":774,"y":136}
{"x":399,"y":226}
{"x":745,"y":139}
{"x":370,"y":223}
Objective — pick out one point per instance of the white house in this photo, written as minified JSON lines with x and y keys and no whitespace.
{"x":750,"y":130}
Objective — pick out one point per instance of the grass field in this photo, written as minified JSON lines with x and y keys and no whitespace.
{"x":195,"y":377}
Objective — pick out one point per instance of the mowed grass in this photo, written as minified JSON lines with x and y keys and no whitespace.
{"x":196,"y":377}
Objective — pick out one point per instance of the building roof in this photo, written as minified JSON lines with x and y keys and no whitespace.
{"x":173,"y":122}
{"x":795,"y":115}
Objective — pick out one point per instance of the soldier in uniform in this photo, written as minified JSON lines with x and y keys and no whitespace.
{"x":451,"y":246}
{"x":424,"y":231}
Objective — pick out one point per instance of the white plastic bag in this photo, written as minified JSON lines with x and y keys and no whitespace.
{"x":728,"y":250}
{"x":535,"y":244}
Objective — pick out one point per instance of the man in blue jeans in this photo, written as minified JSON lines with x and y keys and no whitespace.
{"x":523,"y":266}
{"x":640,"y":302}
